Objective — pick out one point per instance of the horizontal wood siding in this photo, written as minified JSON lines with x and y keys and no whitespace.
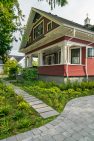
{"x":73,"y":70}
{"x":76,"y":70}
{"x":90,"y":66}
{"x":55,"y":70}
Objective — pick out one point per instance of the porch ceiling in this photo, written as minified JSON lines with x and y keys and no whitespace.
{"x":60,"y":32}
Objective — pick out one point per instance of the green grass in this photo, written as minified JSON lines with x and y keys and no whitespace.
{"x":55,"y":95}
{"x":16,"y":115}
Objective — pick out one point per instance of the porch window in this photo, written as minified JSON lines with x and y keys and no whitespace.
{"x":38,"y":31}
{"x":75,"y":56}
{"x":49,"y":59}
{"x":90,"y":52}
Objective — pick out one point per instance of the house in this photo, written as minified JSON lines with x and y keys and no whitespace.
{"x":65,"y":49}
{"x":19,"y":58}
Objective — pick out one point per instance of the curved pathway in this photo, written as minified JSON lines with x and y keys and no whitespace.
{"x":76,"y":123}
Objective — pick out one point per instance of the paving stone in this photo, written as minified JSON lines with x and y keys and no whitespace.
{"x":40,"y":106}
{"x":42,"y":110}
{"x":47,"y":138}
{"x":59,"y":137}
{"x":35,"y":103}
{"x":19,"y":137}
{"x":3,"y":140}
{"x":32,"y":99}
{"x":49,"y":114}
{"x":11,"y":138}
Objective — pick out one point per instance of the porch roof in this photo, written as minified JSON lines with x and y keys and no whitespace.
{"x":59,"y":32}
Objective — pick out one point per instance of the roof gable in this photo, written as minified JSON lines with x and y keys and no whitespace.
{"x":35,"y":14}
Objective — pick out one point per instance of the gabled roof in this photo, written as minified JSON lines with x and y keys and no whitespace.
{"x":18,"y":58}
{"x":63,"y":20}
{"x":55,"y":18}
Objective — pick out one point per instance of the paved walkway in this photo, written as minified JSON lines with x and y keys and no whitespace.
{"x":76,"y":123}
{"x":43,"y":109}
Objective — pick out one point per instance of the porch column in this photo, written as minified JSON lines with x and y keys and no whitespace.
{"x":66,"y":53}
{"x":30,"y":60}
{"x":25,"y":61}
{"x":62,"y":55}
{"x":40,"y":58}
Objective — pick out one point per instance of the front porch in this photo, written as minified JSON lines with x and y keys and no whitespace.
{"x":65,"y":59}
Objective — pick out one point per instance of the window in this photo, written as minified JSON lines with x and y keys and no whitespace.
{"x":90,"y":52}
{"x":50,"y":59}
{"x":75,"y":56}
{"x":49,"y":26}
{"x":38,"y":31}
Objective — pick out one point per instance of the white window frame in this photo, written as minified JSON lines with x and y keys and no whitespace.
{"x":36,"y":26}
{"x":52,"y":60}
{"x":48,"y":24}
{"x":80,"y":55}
{"x":92,"y":52}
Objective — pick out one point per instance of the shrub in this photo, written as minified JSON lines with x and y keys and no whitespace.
{"x":4,"y":110}
{"x":30,"y":73}
{"x":24,"y":123}
{"x":18,"y":115}
{"x":19,"y":98}
{"x":23,"y":105}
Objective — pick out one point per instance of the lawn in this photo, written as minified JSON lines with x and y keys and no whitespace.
{"x":57,"y":95}
{"x":16,"y":115}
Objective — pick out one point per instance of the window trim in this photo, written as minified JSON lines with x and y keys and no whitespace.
{"x":36,"y":26}
{"x":48,"y":24}
{"x":80,"y":55}
{"x":47,"y":56}
{"x":87,"y":52}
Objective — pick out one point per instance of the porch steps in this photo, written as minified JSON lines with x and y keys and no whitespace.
{"x":43,"y":109}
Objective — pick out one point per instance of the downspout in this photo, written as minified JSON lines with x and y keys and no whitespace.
{"x":87,"y":62}
{"x":67,"y":59}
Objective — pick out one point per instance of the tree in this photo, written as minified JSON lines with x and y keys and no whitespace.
{"x":10,"y":22}
{"x":11,"y":67}
{"x":53,"y":3}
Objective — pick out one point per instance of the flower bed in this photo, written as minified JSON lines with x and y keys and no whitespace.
{"x":57,"y":95}
{"x":15,"y":114}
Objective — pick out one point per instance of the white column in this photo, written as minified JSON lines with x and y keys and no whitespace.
{"x":68,"y":54}
{"x":62,"y":55}
{"x":30,"y":60}
{"x":25,"y":61}
{"x":40,"y":58}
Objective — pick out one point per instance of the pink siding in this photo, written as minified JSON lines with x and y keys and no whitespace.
{"x":90,"y":66}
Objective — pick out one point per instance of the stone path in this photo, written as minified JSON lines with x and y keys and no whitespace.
{"x":76,"y":123}
{"x":43,"y":109}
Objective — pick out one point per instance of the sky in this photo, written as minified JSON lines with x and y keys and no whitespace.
{"x":75,"y":10}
